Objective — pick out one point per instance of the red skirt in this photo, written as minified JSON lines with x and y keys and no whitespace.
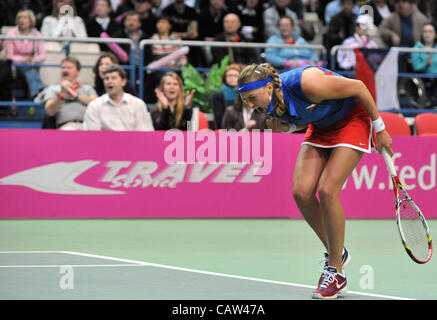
{"x":354,"y":131}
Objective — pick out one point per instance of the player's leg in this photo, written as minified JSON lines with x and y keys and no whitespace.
{"x":309,"y":166}
{"x":338,"y":168}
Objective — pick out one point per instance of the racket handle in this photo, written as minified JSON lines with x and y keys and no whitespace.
{"x":389,"y":163}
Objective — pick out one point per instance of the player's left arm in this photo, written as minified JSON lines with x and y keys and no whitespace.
{"x":318,"y":86}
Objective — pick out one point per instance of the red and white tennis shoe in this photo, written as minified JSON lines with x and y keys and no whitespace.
{"x":331,"y":284}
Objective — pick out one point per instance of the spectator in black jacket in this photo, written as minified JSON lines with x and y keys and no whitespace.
{"x":132,"y":30}
{"x":211,"y":20}
{"x":252,"y":21}
{"x":102,"y":22}
{"x":231,"y":33}
{"x":342,"y":25}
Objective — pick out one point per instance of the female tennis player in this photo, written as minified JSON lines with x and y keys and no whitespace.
{"x":343,"y":124}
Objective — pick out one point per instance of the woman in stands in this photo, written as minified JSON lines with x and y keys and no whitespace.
{"x":27,"y":51}
{"x":64,"y":21}
{"x":105,"y":60}
{"x":227,"y":94}
{"x":173,"y":110}
{"x":340,"y":114}
{"x":289,"y":57}
{"x":160,"y":51}
{"x":427,"y":62}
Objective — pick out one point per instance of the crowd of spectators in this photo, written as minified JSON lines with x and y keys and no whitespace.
{"x":357,"y":23}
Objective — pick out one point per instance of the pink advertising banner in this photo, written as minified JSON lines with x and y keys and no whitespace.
{"x":174,"y":174}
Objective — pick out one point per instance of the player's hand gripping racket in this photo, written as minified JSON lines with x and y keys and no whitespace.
{"x":411,"y":223}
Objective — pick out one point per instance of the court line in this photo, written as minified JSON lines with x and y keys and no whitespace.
{"x":224,"y":274}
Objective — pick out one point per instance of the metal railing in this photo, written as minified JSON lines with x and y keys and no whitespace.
{"x":249,"y":45}
{"x":69,"y":40}
{"x":148,"y":42}
{"x":335,"y":49}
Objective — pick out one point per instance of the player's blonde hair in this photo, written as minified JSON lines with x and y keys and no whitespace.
{"x":256,"y":72}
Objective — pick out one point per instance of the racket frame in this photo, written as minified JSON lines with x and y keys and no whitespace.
{"x":397,"y":185}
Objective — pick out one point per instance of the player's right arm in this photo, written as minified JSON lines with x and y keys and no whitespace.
{"x":319,"y":86}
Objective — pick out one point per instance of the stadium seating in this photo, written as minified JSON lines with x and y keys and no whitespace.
{"x":426,"y":124}
{"x":51,"y":75}
{"x":395,"y":124}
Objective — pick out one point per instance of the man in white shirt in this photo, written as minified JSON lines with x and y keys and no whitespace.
{"x":117,"y":110}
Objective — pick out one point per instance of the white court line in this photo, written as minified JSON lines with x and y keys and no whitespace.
{"x":224,"y":275}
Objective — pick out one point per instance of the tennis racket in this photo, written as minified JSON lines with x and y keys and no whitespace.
{"x":412,"y":225}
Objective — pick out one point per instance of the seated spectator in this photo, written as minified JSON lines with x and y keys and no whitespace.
{"x":289,"y":57}
{"x":27,"y":51}
{"x":147,"y":18}
{"x":237,"y":116}
{"x":381,"y":10}
{"x":334,"y":7}
{"x":102,"y":22}
{"x":227,"y":94}
{"x":272,"y":14}
{"x":341,"y":26}
{"x":117,"y":110}
{"x":132,"y":30}
{"x":403,"y":28}
{"x":61,"y":24}
{"x":185,"y":23}
{"x":231,"y":27}
{"x":173,"y":110}
{"x":427,"y":62}
{"x":211,"y":20}
{"x":160,"y":51}
{"x":360,"y":39}
{"x":251,"y":17}
{"x":68,"y":100}
{"x":183,"y":19}
{"x":105,"y":60}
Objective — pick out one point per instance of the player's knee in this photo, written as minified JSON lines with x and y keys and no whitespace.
{"x":327,"y":193}
{"x":302,"y":194}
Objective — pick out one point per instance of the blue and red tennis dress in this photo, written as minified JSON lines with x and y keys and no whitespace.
{"x":331,"y":123}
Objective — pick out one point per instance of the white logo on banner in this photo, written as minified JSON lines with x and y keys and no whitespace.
{"x":59,"y":177}
{"x":56,"y":178}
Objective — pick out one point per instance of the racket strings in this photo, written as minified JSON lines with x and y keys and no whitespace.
{"x":413,"y":230}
